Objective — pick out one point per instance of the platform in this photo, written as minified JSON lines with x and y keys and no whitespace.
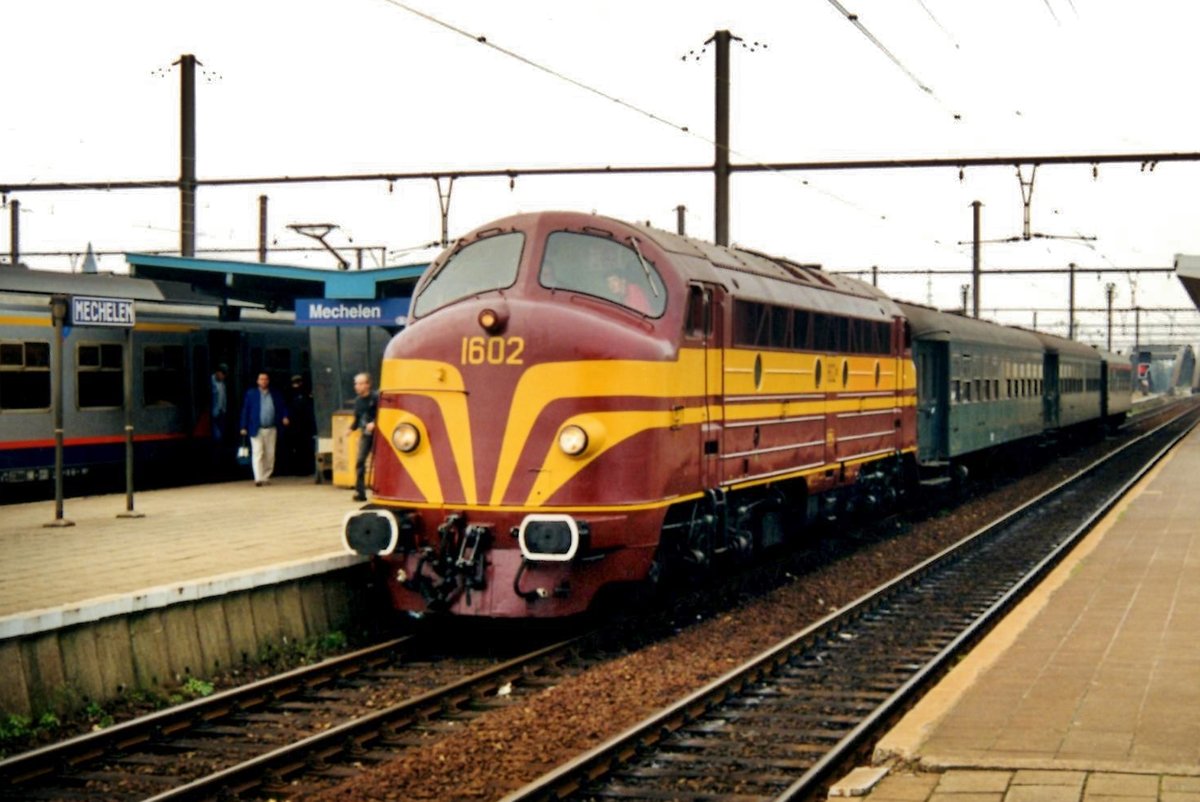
{"x":1090,"y":689}
{"x":236,"y":565}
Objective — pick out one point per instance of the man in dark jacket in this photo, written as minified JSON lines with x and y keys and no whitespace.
{"x":366,"y":407}
{"x":262,"y":411}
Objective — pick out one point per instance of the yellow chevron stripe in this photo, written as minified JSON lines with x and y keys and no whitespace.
{"x":605,"y":430}
{"x":520,"y":508}
{"x":688,"y":377}
{"x":444,"y":384}
{"x":419,"y":464}
{"x":543,"y":383}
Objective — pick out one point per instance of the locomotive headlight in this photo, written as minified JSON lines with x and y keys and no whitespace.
{"x":573,"y":440}
{"x":492,"y":320}
{"x":406,"y":438}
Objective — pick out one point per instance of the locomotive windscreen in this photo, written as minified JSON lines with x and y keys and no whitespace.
{"x":486,"y":264}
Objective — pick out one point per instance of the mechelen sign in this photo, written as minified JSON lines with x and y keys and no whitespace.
{"x":327,"y":312}
{"x":90,"y":311}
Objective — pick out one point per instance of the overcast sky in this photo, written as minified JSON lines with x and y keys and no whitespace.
{"x":305,"y":87}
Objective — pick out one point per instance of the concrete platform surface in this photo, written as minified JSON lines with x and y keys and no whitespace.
{"x":1090,"y":689}
{"x":192,"y":542}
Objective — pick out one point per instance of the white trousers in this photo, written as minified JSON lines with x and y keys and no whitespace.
{"x":262,"y":454}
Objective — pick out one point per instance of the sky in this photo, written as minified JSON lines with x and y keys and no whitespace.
{"x":313,"y":87}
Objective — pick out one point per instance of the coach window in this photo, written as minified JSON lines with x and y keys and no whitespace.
{"x":486,"y":264}
{"x":99,"y":375}
{"x":24,"y":375}
{"x":603,"y":267}
{"x":163,"y":375}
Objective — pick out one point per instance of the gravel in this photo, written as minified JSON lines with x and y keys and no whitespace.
{"x":499,"y":752}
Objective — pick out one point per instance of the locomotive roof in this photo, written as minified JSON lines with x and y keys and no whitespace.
{"x":756,"y":276}
{"x":931,"y":324}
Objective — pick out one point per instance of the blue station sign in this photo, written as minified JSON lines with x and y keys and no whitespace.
{"x":90,"y":311}
{"x":328,"y":312}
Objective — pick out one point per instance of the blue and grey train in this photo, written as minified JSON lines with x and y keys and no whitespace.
{"x":178,"y":339}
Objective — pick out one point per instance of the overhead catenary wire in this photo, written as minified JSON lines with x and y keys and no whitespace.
{"x":483,"y":40}
{"x":924,"y":87}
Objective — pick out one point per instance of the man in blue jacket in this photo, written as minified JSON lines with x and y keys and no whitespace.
{"x":262,"y":411}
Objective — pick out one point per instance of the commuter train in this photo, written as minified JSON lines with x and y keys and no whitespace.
{"x":578,"y":403}
{"x":178,"y":339}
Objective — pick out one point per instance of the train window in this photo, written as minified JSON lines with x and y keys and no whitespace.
{"x":604,"y":268}
{"x":24,"y":375}
{"x":697,"y":313}
{"x":802,"y":333}
{"x":749,"y":323}
{"x":163,"y":377}
{"x":781,"y":327}
{"x":99,"y":375}
{"x":486,"y":264}
{"x":955,"y":392}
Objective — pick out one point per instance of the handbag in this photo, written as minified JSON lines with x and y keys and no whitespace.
{"x":243,"y":453}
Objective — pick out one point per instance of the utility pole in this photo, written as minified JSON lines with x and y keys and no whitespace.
{"x":1071,"y":301}
{"x":1109,"y":290}
{"x":262,"y":228}
{"x":721,"y":152}
{"x":14,"y":229}
{"x":975,"y":261}
{"x":965,"y":288}
{"x":187,"y":154}
{"x":680,"y":225}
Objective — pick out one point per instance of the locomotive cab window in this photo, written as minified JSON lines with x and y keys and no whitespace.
{"x":24,"y":375}
{"x":699,"y":315}
{"x":484,"y":265}
{"x":99,"y":375}
{"x":605,"y":268}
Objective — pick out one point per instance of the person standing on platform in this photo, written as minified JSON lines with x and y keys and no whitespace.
{"x":219,"y":407}
{"x":366,"y":406}
{"x":301,"y":430}
{"x":262,"y":411}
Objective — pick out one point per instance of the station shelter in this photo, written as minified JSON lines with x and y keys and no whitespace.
{"x":349,"y":315}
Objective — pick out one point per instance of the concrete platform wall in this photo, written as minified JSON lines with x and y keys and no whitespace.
{"x":156,"y":650}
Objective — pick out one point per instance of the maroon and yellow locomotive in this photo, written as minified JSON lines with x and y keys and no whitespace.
{"x":578,"y":402}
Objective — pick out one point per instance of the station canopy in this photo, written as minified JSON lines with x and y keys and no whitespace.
{"x":1187,"y":269}
{"x":275,"y":286}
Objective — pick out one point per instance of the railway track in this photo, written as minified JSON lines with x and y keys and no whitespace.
{"x":320,"y":724}
{"x":780,"y":726}
{"x":315,"y":720}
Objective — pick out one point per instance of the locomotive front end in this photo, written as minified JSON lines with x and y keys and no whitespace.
{"x":531,"y":429}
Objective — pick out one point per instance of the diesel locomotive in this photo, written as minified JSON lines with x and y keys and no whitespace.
{"x":580,"y":402}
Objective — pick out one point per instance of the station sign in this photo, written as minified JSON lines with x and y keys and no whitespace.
{"x":330,"y":312}
{"x":90,"y":311}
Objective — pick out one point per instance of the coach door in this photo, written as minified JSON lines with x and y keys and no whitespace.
{"x":704,"y":327}
{"x":933,"y":401}
{"x":1050,"y":390}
